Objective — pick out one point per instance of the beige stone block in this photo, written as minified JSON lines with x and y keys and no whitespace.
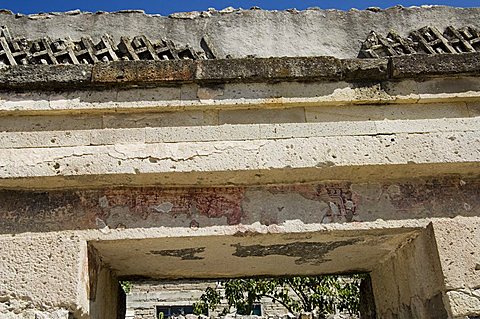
{"x":188,"y":92}
{"x":238,"y":91}
{"x":25,"y":105}
{"x":47,"y":270}
{"x":409,"y":284}
{"x":210,"y":117}
{"x":385,"y":112}
{"x":458,"y":242}
{"x":224,"y":132}
{"x":15,"y":102}
{"x":116,"y":136}
{"x":320,"y":155}
{"x":237,"y":132}
{"x":44,"y":139}
{"x":474,"y":109}
{"x":464,"y":302}
{"x":427,"y":126}
{"x":290,"y":130}
{"x":227,"y":250}
{"x":257,"y":116}
{"x":148,"y":98}
{"x":49,"y":123}
{"x":169,"y":119}
{"x":241,"y":95}
{"x":82,"y":100}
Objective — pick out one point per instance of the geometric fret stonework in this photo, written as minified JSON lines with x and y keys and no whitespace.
{"x":22,"y":51}
{"x":427,"y":40}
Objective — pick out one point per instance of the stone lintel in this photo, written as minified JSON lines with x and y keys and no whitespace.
{"x":349,"y":202}
{"x":164,"y":73}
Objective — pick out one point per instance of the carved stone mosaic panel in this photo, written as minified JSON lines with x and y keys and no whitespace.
{"x":22,"y":51}
{"x":427,"y":40}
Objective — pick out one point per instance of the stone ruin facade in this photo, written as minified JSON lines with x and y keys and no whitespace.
{"x":146,"y":298}
{"x":245,"y":143}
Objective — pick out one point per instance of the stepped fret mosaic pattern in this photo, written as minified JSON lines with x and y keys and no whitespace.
{"x":21,"y":51}
{"x":427,"y":40}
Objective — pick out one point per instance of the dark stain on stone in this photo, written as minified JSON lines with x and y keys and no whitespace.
{"x":436,"y":307}
{"x":305,"y":252}
{"x":23,"y":211}
{"x":433,"y":308}
{"x":440,"y":197}
{"x":184,"y":254}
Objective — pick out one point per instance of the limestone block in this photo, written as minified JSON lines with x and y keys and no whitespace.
{"x":35,"y":314}
{"x":464,"y":302}
{"x":317,"y":153}
{"x":421,"y":64}
{"x":474,"y":109}
{"x":203,"y":133}
{"x":232,"y":96}
{"x":45,"y":139}
{"x":459,"y":249}
{"x":49,"y":123}
{"x":426,"y":126}
{"x":292,"y":115}
{"x":45,"y":273}
{"x":386,"y":112}
{"x":24,"y":102}
{"x":409,"y":284}
{"x":283,"y":131}
{"x":113,"y":136}
{"x":147,"y":97}
{"x":169,"y":119}
{"x":81,"y":100}
{"x":226,"y":132}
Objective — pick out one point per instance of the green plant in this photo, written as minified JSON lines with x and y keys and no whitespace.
{"x":126,"y":286}
{"x":323,"y":294}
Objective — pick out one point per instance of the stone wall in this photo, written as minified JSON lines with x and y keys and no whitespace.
{"x":222,"y":168}
{"x":145,"y":295}
{"x":241,"y":33}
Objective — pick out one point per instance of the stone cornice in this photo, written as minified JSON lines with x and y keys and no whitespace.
{"x":165,"y":73}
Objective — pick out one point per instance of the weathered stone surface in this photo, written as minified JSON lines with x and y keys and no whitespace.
{"x":217,"y":256}
{"x":33,"y":76}
{"x":371,"y":69}
{"x":427,"y":40}
{"x":409,"y":283}
{"x":24,"y":211}
{"x":266,"y":160}
{"x":459,"y":251}
{"x":195,"y":132}
{"x":240,"y":33}
{"x":335,"y":101}
{"x":42,"y":273}
{"x":144,"y":72}
{"x":55,"y":314}
{"x":421,"y":65}
{"x":45,"y":51}
{"x":129,"y":169}
{"x":302,"y":69}
{"x":272,"y":69}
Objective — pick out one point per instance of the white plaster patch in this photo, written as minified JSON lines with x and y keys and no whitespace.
{"x":103,"y":202}
{"x":165,"y":207}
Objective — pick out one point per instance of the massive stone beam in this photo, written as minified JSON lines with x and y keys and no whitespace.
{"x":265,"y":148}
